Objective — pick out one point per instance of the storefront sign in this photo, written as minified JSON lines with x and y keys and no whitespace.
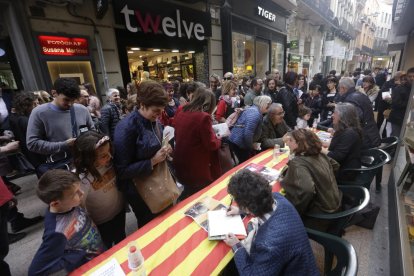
{"x":295,"y":58}
{"x":63,"y":46}
{"x":306,"y":59}
{"x":294,"y":44}
{"x":329,"y":48}
{"x":158,"y":18}
{"x":266,"y":14}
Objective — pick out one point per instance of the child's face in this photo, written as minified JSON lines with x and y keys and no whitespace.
{"x":103,"y":156}
{"x":306,"y":117}
{"x":71,"y":198}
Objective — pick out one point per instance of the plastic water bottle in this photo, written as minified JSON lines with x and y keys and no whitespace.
{"x":276,"y":153}
{"x":136,"y":260}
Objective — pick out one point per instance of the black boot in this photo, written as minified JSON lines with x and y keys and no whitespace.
{"x":21,"y":223}
{"x":16,"y":237}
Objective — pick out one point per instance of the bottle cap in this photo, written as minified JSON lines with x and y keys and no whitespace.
{"x":132,"y":249}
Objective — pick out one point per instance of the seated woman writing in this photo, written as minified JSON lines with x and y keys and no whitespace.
{"x":309,"y":182}
{"x":278,"y":243}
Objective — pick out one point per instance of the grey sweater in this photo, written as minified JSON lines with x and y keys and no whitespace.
{"x":48,"y":129}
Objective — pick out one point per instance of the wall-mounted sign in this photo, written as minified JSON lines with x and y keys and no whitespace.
{"x":161,"y":18}
{"x":295,"y":58}
{"x":63,"y":46}
{"x":266,"y":14}
{"x":294,"y":44}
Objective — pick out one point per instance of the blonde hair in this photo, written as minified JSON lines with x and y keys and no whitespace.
{"x":227,"y":86}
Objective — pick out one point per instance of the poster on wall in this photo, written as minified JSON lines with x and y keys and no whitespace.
{"x":329,"y":48}
{"x":78,"y":77}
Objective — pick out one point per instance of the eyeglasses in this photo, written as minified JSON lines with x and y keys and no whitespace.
{"x":279,"y":113}
{"x":228,"y":78}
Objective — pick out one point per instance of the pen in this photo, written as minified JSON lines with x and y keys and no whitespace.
{"x":231,"y":202}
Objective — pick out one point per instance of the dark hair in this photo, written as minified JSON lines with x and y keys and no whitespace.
{"x":151,"y":93}
{"x":332,"y":72}
{"x":90,"y":88}
{"x":290,"y":78}
{"x":23,"y":103}
{"x":188,"y":88}
{"x":253,"y":82}
{"x":370,"y":80}
{"x":313,"y":86}
{"x":251,"y":191}
{"x":67,"y":87}
{"x":269,"y":80}
{"x":267,"y":73}
{"x":53,"y":183}
{"x":84,"y":150}
{"x":307,"y":141}
{"x":203,"y":100}
{"x":367,"y":72}
{"x":303,"y":111}
{"x":332,"y":79}
{"x":410,"y":71}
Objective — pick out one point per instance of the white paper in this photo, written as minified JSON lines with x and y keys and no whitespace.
{"x":386,"y":95}
{"x":168,"y":133}
{"x":111,"y":268}
{"x":221,"y":224}
{"x":222,"y":129}
{"x":329,"y":48}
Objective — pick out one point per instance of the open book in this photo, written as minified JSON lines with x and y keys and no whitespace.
{"x":270,"y":174}
{"x":220,"y":224}
{"x":222,"y":130}
{"x":208,"y":209}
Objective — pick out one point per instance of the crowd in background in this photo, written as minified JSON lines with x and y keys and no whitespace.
{"x":109,"y":144}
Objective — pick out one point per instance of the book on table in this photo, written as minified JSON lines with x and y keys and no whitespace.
{"x":210,"y":213}
{"x":270,"y":174}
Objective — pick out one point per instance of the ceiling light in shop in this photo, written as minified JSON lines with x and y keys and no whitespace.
{"x":140,"y":56}
{"x":135,"y":49}
{"x":130,"y":52}
{"x":156,"y":50}
{"x":191,"y":52}
{"x":175,"y":51}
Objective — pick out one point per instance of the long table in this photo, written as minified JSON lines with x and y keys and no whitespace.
{"x":173,"y":244}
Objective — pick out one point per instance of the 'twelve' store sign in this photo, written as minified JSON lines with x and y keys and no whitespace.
{"x":158,"y":18}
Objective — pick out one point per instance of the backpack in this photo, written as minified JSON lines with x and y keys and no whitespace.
{"x":232,"y":119}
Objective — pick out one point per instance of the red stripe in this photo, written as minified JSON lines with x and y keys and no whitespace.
{"x":180,"y":254}
{"x":212,"y":260}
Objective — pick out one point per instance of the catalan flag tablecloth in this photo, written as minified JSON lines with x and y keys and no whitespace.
{"x":173,"y":244}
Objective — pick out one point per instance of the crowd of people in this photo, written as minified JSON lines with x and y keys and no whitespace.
{"x":88,"y":154}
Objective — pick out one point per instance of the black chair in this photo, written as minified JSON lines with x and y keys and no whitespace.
{"x":372,"y":161}
{"x":346,"y":258}
{"x":389,"y":145}
{"x":354,"y":199}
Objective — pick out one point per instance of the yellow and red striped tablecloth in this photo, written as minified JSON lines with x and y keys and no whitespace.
{"x":173,"y":244}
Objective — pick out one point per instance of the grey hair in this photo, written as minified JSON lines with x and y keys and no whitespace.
{"x":273,"y":107}
{"x":262,"y":101}
{"x":348,"y":83}
{"x":348,"y":117}
{"x":110,"y":91}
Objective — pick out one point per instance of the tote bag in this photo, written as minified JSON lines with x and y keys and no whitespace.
{"x":158,"y":190}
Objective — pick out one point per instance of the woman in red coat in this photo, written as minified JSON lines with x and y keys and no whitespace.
{"x":196,"y":160}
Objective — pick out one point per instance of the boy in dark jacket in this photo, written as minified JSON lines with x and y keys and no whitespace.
{"x":314,"y":102}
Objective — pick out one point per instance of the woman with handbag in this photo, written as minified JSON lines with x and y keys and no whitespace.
{"x":196,"y":160}
{"x":138,"y":147}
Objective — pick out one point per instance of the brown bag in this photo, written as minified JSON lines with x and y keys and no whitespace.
{"x":158,"y":189}
{"x":225,"y":158}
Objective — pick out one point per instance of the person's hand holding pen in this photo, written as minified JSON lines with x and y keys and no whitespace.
{"x":232,"y":210}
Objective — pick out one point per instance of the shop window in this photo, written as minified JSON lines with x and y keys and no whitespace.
{"x":162,"y":65}
{"x":278,"y":52}
{"x":262,"y":58}
{"x":243,"y":55}
{"x":81,"y":71}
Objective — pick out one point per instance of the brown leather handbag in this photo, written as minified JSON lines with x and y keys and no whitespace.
{"x":158,"y":190}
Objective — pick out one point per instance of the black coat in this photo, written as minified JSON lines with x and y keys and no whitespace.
{"x":287,"y":98}
{"x":110,"y":116}
{"x":400,"y":97}
{"x":370,"y":133}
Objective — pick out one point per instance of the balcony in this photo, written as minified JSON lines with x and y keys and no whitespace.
{"x":366,"y":50}
{"x":322,"y":8}
{"x":347,"y":27}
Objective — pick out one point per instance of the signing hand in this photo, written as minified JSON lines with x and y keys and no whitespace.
{"x":233,"y":211}
{"x":231,"y":239}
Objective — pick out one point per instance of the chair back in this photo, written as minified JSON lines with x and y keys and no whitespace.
{"x":372,"y":160}
{"x":389,"y":145}
{"x":354,"y":199}
{"x":347,"y":262}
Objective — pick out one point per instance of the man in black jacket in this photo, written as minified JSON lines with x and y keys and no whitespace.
{"x":371,"y":138}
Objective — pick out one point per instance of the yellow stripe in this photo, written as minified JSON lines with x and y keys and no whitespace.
{"x":194,"y":258}
{"x":153,"y":261}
